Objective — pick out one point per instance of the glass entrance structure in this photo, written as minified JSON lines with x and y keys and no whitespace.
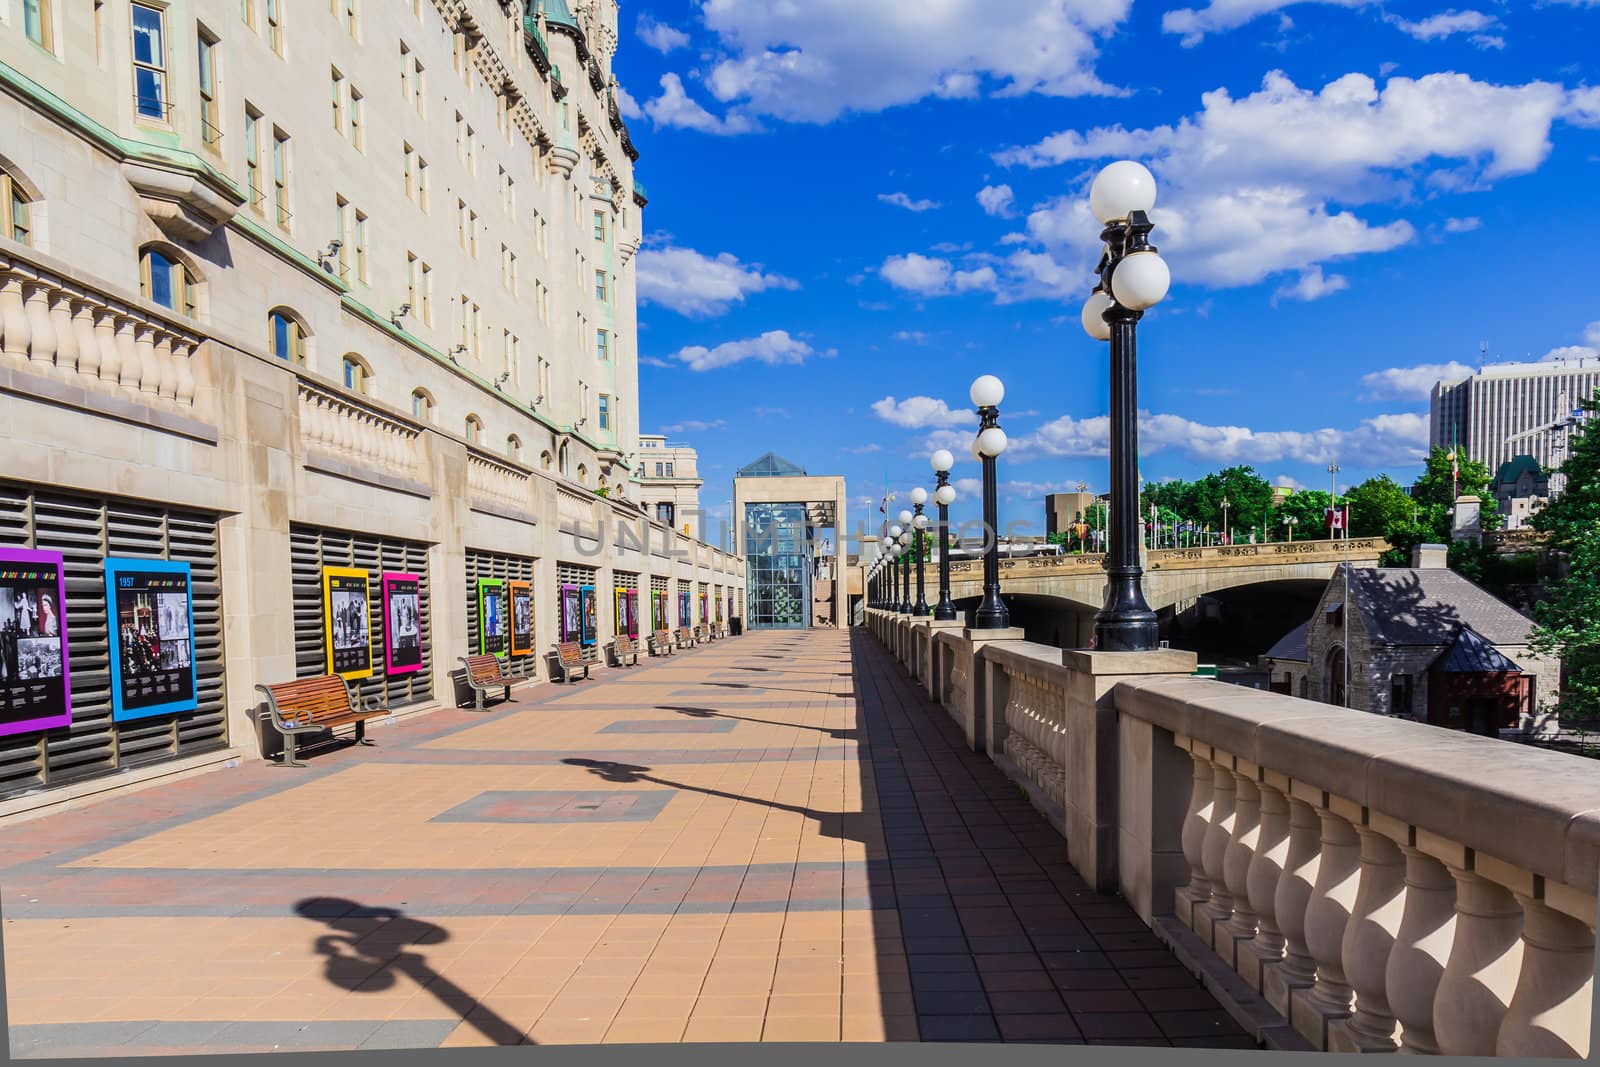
{"x":778,"y":566}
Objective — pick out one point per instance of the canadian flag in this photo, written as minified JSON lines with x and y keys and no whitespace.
{"x":1339,"y":518}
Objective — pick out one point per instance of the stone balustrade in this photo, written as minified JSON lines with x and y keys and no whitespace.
{"x":575,"y":512}
{"x":337,"y":425}
{"x":492,"y":479}
{"x":64,"y":331}
{"x":1377,"y":884}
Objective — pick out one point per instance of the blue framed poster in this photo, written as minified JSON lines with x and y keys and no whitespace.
{"x":590,"y":608}
{"x":35,"y":678}
{"x":151,"y":626}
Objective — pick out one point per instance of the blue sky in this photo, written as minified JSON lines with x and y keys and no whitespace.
{"x":856,"y":208}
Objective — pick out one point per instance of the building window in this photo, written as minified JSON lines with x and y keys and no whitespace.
{"x":14,"y":201}
{"x":422,"y":184}
{"x":357,"y":375}
{"x":252,"y":156}
{"x":421,"y":405}
{"x":602,"y":345}
{"x":338,"y":101}
{"x":669,"y":470}
{"x":341,"y":216}
{"x":600,"y":285}
{"x":275,"y":25}
{"x":416,"y":85}
{"x":36,"y":23}
{"x":149,"y":62}
{"x":280,"y":176}
{"x":599,"y":225}
{"x":210,"y":119}
{"x":474,"y":429}
{"x":361,"y":246}
{"x":666,"y":513}
{"x":350,"y":17}
{"x":1400,"y":690}
{"x":166,"y":281}
{"x":355,"y":120}
{"x":247,"y":12}
{"x":605,"y":412}
{"x":287,"y":337}
{"x":658,"y":470}
{"x":427,"y":294}
{"x":514,"y":446}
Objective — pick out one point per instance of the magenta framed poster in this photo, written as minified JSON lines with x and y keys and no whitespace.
{"x":35,"y":683}
{"x":402,"y":623}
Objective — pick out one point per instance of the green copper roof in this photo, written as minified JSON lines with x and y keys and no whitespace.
{"x":554,"y":11}
{"x":1513,"y":468}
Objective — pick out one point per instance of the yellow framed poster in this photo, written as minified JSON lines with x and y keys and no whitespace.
{"x":347,"y":621}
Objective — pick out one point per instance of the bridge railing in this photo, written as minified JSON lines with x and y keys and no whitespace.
{"x":1342,"y":881}
{"x":1269,"y":553}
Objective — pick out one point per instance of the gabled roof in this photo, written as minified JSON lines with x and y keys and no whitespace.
{"x":770,"y":465}
{"x":1292,"y":645}
{"x":1471,"y":654}
{"x":1428,"y":605}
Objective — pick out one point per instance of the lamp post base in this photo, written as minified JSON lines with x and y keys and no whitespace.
{"x":946,"y":611}
{"x":991,"y":615}
{"x":1126,"y":623}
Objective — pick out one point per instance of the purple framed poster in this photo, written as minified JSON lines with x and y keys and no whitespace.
{"x":35,"y":682}
{"x":402,"y":623}
{"x":571,"y":613}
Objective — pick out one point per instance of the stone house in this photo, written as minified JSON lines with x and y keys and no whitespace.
{"x":1423,"y":643}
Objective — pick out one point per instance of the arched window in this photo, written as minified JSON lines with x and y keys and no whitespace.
{"x":165,"y":280}
{"x":514,"y":446}
{"x":1335,"y":676}
{"x":286,"y":336}
{"x":583,"y":475}
{"x":357,"y":375}
{"x":546,"y":460}
{"x":474,"y":429}
{"x":15,"y":202}
{"x":422,"y":405}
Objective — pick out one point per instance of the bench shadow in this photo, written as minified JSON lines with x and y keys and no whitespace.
{"x":379,"y":941}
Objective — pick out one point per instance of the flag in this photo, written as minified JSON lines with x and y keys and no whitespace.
{"x":1339,"y":517}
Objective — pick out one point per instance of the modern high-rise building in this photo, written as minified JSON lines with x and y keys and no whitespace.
{"x":669,"y":483}
{"x":1511,"y":409}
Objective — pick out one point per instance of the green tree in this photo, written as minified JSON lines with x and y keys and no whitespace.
{"x":1566,"y":617}
{"x":1377,"y":506}
{"x":1309,"y":509}
{"x":1249,"y":497}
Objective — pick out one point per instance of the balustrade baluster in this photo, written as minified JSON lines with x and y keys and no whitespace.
{"x":1290,"y":900}
{"x":42,"y":349}
{"x":183,"y":350}
{"x":1197,"y":891}
{"x":145,"y":352}
{"x":1327,"y":913}
{"x":1220,"y":827}
{"x":66,"y":361}
{"x":1267,"y":857}
{"x":1481,"y":974}
{"x":1549,"y":1012}
{"x":128,"y":364}
{"x":82,"y":315}
{"x":166,"y":369}
{"x":105,"y":335}
{"x":15,"y":333}
{"x":1369,"y":938}
{"x":1421,"y":946}
{"x":1241,"y":846}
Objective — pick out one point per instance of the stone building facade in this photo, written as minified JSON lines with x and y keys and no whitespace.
{"x":669,"y":483}
{"x":287,"y":286}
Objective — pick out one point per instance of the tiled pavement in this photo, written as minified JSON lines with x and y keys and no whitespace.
{"x":772,"y":838}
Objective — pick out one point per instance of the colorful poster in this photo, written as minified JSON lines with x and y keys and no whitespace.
{"x":35,"y":683}
{"x":633,"y":613}
{"x":402,"y":618}
{"x":719,"y":610}
{"x":621,"y":618}
{"x":151,"y":626}
{"x":590,"y":611}
{"x":491,"y":617}
{"x":571,"y":613}
{"x":705,"y":614}
{"x":520,"y":594}
{"x":347,"y":622}
{"x":683,"y":609}
{"x":658,"y":609}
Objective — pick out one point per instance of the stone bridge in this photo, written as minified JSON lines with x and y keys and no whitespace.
{"x":1174,"y":577}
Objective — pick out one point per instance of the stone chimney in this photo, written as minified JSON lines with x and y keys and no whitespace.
{"x":1430,"y":557}
{"x":1465,"y":523}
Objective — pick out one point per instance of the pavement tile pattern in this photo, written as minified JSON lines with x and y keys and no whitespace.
{"x":801,"y":848}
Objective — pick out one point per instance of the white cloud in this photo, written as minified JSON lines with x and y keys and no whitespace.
{"x":971,"y":488}
{"x":1590,"y":349}
{"x":655,"y":361}
{"x":659,"y":35}
{"x":920,"y":412}
{"x":1591,"y":332}
{"x":911,"y":335}
{"x":902,"y":200}
{"x":674,"y":108}
{"x":1266,"y":183}
{"x":1444,"y":24}
{"x":1284,"y":481}
{"x":1014,"y":239}
{"x":997,"y":200}
{"x":627,"y":104}
{"x":1311,"y":286}
{"x":695,"y":284}
{"x":695,"y":426}
{"x":1222,"y":15}
{"x":815,"y":62}
{"x":1410,"y":383}
{"x":930,"y":276}
{"x":772,"y":348}
{"x":1466,"y":225}
{"x":865,"y":450}
{"x":1382,"y":439}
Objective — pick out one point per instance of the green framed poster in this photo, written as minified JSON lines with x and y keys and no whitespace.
{"x":491,"y":617}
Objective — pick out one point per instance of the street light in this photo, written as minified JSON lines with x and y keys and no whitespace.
{"x":986,"y":393}
{"x":919,"y":522}
{"x":1132,"y":277}
{"x":1225,"y":503}
{"x":944,"y":495}
{"x":892,"y":603}
{"x":905,"y":542}
{"x":1289,"y":522}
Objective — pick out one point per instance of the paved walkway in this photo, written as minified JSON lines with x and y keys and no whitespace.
{"x":772,"y":838}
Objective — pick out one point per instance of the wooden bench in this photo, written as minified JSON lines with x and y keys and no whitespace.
{"x":661,"y":643}
{"x":485,"y":674}
{"x":315,"y":705}
{"x":622,"y":645}
{"x":569,"y":657}
{"x":684,"y":637}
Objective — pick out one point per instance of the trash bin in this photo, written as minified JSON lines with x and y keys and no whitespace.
{"x":735,"y":626}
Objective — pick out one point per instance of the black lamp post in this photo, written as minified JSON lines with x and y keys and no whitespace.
{"x":895,"y":567}
{"x":1132,"y":278}
{"x":944,"y":494}
{"x":986,"y":393}
{"x":919,"y":523}
{"x":905,"y":570}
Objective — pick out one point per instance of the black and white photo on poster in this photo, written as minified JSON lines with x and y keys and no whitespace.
{"x":32,"y":667}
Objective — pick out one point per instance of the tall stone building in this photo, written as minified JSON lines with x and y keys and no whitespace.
{"x":670,"y":482}
{"x":288,"y":286}
{"x":1489,"y":415}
